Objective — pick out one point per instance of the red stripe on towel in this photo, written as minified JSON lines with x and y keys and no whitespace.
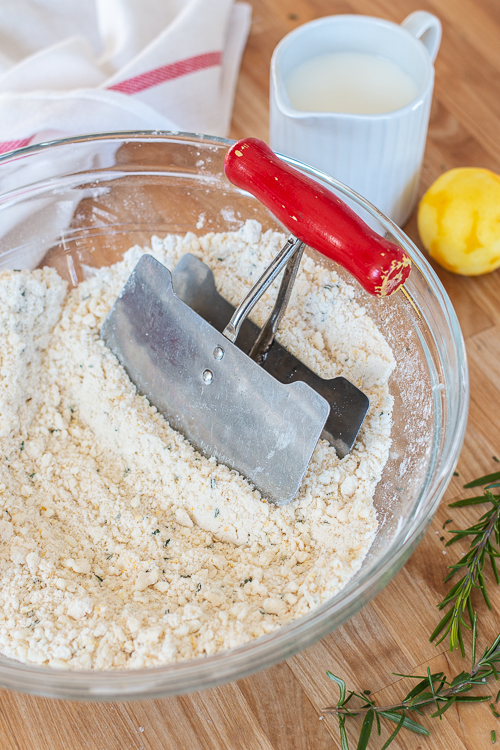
{"x":6,"y":146}
{"x":168,"y":73}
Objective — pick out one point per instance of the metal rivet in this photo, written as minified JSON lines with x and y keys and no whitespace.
{"x":218,"y":353}
{"x":208,"y":376}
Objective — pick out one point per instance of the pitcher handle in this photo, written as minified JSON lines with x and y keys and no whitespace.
{"x":427,"y":28}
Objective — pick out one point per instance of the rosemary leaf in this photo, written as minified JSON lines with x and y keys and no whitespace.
{"x":468,"y":501}
{"x":393,"y":735}
{"x":343,"y":735}
{"x":413,"y":726}
{"x":341,"y":685}
{"x":431,"y":684}
{"x":366,"y":730}
{"x":441,"y":625}
{"x":495,"y":477}
{"x":472,"y":698}
{"x":447,"y":704}
{"x":422,"y":685}
{"x":474,"y":639}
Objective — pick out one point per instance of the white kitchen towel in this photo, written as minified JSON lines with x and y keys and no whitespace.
{"x":71,"y":67}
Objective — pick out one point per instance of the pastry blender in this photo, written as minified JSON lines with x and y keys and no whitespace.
{"x":232,"y":390}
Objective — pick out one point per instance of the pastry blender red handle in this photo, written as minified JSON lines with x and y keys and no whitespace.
{"x":317,"y":217}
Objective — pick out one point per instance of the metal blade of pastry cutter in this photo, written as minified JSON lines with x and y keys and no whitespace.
{"x":194,"y":283}
{"x":225,"y":404}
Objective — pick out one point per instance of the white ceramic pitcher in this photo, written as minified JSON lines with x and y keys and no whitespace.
{"x":377,"y":155}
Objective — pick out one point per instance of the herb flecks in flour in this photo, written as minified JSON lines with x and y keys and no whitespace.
{"x":103,"y":488}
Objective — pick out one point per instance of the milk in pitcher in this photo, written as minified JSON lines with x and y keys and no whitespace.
{"x":351,"y":82}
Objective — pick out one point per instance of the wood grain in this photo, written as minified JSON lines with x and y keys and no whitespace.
{"x":280,"y":709}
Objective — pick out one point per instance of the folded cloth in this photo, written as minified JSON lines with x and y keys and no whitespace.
{"x":72,"y":68}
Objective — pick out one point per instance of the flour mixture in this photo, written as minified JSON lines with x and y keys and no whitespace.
{"x":120,"y":546}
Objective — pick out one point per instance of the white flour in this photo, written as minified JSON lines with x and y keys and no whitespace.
{"x":120,"y":546}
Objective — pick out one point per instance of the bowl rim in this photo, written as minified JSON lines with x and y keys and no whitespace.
{"x":205,"y":672}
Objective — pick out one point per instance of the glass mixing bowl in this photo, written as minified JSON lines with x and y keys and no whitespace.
{"x":83,"y":202}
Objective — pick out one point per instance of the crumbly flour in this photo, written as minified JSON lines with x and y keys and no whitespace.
{"x":120,"y":545}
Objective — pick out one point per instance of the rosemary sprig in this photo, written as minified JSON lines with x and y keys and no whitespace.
{"x":485,"y":543}
{"x":436,"y":689}
{"x":432,"y":689}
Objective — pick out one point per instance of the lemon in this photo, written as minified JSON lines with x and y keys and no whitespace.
{"x":459,"y":221}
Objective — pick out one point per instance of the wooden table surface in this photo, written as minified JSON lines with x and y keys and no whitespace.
{"x":280,"y":709}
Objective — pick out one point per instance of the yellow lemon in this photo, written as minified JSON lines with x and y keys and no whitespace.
{"x":459,"y":221}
